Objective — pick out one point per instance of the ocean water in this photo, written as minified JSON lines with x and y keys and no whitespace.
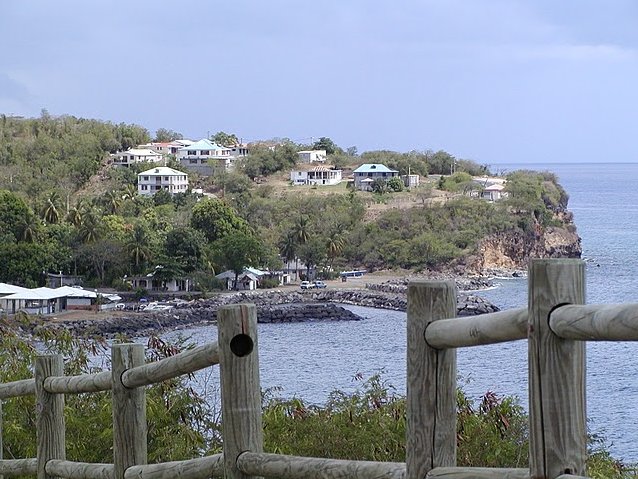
{"x":311,"y":360}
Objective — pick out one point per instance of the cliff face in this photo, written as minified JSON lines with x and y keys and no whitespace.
{"x":513,"y":249}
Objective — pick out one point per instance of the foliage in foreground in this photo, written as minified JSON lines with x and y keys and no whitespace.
{"x":368,"y":424}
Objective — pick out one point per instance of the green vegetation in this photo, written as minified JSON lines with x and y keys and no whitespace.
{"x":63,"y":208}
{"x":368,"y":424}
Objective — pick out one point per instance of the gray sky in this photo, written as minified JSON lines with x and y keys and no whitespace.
{"x":496,"y":81}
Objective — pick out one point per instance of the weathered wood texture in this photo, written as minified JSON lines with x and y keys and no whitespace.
{"x":200,"y":468}
{"x":183,"y":363}
{"x":19,"y":467}
{"x":240,"y":389}
{"x":558,"y":434}
{"x":79,"y":470}
{"x":605,"y":322}
{"x":431,"y":381}
{"x":478,"y":330}
{"x":477,"y":473}
{"x":23,"y":387}
{"x":84,"y":383}
{"x":294,"y":467}
{"x":571,"y":476}
{"x":129,"y":411}
{"x":50,"y":427}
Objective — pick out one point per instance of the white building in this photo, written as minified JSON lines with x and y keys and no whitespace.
{"x":319,"y":175}
{"x":135,"y":155}
{"x":206,"y":157}
{"x":151,"y":181}
{"x":167,"y":148}
{"x":312,"y":156}
{"x":366,"y":174}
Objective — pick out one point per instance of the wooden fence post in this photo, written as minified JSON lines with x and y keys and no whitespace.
{"x":129,"y":411}
{"x":557,"y":414}
{"x":240,"y":389}
{"x":49,"y":413}
{"x":431,"y":381}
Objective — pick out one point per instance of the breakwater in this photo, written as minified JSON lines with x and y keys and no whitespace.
{"x":273,"y":306}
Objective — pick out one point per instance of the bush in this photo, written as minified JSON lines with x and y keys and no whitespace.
{"x":268,"y":283}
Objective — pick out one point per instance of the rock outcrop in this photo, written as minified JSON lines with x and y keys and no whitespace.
{"x":513,"y":249}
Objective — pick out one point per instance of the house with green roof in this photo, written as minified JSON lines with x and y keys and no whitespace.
{"x":366,"y":174}
{"x":206,"y":157}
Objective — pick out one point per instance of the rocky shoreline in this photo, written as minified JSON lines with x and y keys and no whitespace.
{"x":273,"y":306}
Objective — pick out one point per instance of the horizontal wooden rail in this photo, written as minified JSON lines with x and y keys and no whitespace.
{"x":183,"y":363}
{"x":605,"y":322}
{"x":477,"y":473}
{"x":79,"y":470}
{"x":478,"y":330}
{"x":200,"y":468}
{"x":23,"y":387}
{"x":84,"y":383}
{"x":294,"y":467}
{"x":18,"y":467}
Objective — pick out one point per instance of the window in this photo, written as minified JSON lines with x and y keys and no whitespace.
{"x":192,"y":152}
{"x":145,"y":178}
{"x":193,"y":161}
{"x":166,"y":178}
{"x":204,"y":153}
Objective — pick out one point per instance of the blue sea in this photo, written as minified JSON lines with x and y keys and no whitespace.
{"x":311,"y":360}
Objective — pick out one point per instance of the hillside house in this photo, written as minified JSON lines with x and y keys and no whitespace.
{"x":206,"y":157}
{"x":494,"y":192}
{"x":135,"y":155}
{"x":151,"y":181}
{"x":318,"y":175}
{"x":366,"y":174}
{"x":312,"y":156}
{"x":167,"y":148}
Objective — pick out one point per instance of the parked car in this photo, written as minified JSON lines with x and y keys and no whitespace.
{"x":320,"y":284}
{"x":306,"y":285}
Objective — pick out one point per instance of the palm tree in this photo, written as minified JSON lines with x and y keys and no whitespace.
{"x":334,"y":245}
{"x":50,"y":212}
{"x":288,"y":249}
{"x":112,"y":201}
{"x":90,"y":227}
{"x":29,"y":227}
{"x":301,"y":230}
{"x":75,"y":216}
{"x":137,"y":245}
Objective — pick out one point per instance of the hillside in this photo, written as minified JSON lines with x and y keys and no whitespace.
{"x":66,"y":208}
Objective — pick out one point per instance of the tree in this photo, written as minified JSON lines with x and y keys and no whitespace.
{"x":164,"y":135}
{"x":288,"y":249}
{"x":225,"y":139}
{"x":50,"y":211}
{"x":215,"y":219}
{"x":325,"y":143}
{"x":112,"y":200}
{"x":379,"y":185}
{"x":13,"y":211}
{"x":137,"y":246}
{"x":334,"y":245}
{"x":396,"y":184}
{"x":237,"y":251}
{"x":312,"y":253}
{"x":185,"y":246}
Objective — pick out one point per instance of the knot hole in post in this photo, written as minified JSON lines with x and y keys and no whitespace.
{"x":241,"y":345}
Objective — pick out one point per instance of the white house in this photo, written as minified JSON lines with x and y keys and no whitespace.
{"x":206,"y":157}
{"x":493,"y":192}
{"x":312,"y":156}
{"x":135,"y":155}
{"x":319,"y":175}
{"x":167,"y":148}
{"x":151,"y":181}
{"x":366,"y":174}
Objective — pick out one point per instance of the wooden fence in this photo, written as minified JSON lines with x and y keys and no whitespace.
{"x":555,"y":323}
